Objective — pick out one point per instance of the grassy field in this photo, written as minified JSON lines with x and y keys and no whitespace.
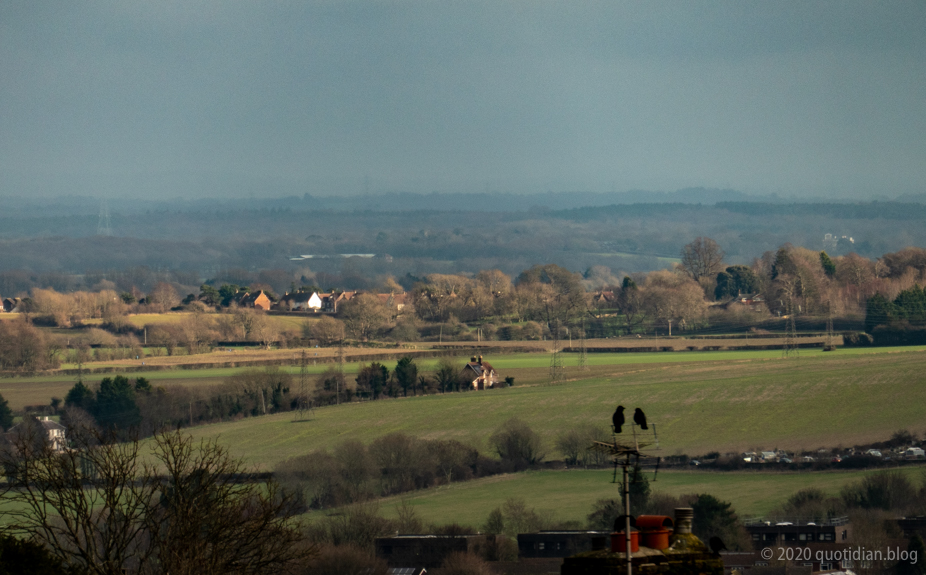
{"x":526,"y":368}
{"x":699,"y":401}
{"x":747,"y":402}
{"x":569,"y":495}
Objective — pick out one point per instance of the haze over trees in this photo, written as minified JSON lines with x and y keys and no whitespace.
{"x":251,"y":243}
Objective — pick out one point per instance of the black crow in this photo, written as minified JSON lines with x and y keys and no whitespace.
{"x":640,"y":418}
{"x":716,"y":545}
{"x":618,"y":418}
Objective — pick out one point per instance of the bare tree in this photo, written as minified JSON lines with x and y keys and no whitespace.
{"x":327,"y":330}
{"x":702,"y":258}
{"x":96,"y":528}
{"x":103,"y":507}
{"x":163,"y":297}
{"x":364,"y":316}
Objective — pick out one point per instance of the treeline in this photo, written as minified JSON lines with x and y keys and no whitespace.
{"x":703,"y":294}
{"x":135,"y":406}
{"x":397,"y":463}
{"x":392,"y":464}
{"x":62,"y":253}
{"x":897,"y":322}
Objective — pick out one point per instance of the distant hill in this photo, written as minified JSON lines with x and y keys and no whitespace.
{"x":75,"y":205}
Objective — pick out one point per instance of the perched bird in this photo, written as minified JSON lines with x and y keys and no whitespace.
{"x":640,"y":418}
{"x":716,"y":545}
{"x":618,"y":418}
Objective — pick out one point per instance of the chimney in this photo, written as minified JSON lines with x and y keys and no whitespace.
{"x":683,"y":518}
{"x":472,"y":359}
{"x":480,"y":360}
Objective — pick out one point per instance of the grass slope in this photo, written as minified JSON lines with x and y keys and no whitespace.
{"x":527,"y":368}
{"x":569,"y":495}
{"x":822,"y":399}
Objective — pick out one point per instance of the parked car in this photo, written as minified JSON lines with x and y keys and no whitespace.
{"x":873,"y":453}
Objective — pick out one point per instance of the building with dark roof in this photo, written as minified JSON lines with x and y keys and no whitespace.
{"x":480,"y":374}
{"x":798,"y":531}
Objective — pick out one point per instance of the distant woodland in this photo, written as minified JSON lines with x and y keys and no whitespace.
{"x":68,"y":244}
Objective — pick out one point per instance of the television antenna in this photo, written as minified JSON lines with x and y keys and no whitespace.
{"x":627,"y":452}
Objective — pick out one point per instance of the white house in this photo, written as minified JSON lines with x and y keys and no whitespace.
{"x":301,"y":301}
{"x":54,"y":432}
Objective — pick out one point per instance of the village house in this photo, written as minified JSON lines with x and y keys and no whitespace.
{"x":54,"y":432}
{"x":394,"y":301}
{"x":259,"y":300}
{"x":331,"y":301}
{"x":480,"y":373}
{"x":300,"y":301}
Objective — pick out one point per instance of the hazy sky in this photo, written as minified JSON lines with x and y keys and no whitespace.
{"x":188,"y":98}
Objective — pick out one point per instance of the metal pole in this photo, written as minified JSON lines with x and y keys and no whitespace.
{"x":627,"y":513}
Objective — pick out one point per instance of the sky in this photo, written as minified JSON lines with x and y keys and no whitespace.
{"x":193,"y":98}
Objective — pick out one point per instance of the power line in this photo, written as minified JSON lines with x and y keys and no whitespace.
{"x":303,"y":386}
{"x":103,"y":227}
{"x":557,"y":374}
{"x":583,"y":351}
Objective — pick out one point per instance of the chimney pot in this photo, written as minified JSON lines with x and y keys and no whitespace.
{"x":683,"y":518}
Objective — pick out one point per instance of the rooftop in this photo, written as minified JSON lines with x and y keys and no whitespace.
{"x":793,"y":520}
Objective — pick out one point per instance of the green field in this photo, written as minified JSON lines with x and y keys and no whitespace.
{"x":699,"y":401}
{"x":569,"y":495}
{"x":820,"y":400}
{"x":526,"y":368}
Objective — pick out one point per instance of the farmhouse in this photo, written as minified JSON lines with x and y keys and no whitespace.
{"x":54,"y":432}
{"x":480,"y":373}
